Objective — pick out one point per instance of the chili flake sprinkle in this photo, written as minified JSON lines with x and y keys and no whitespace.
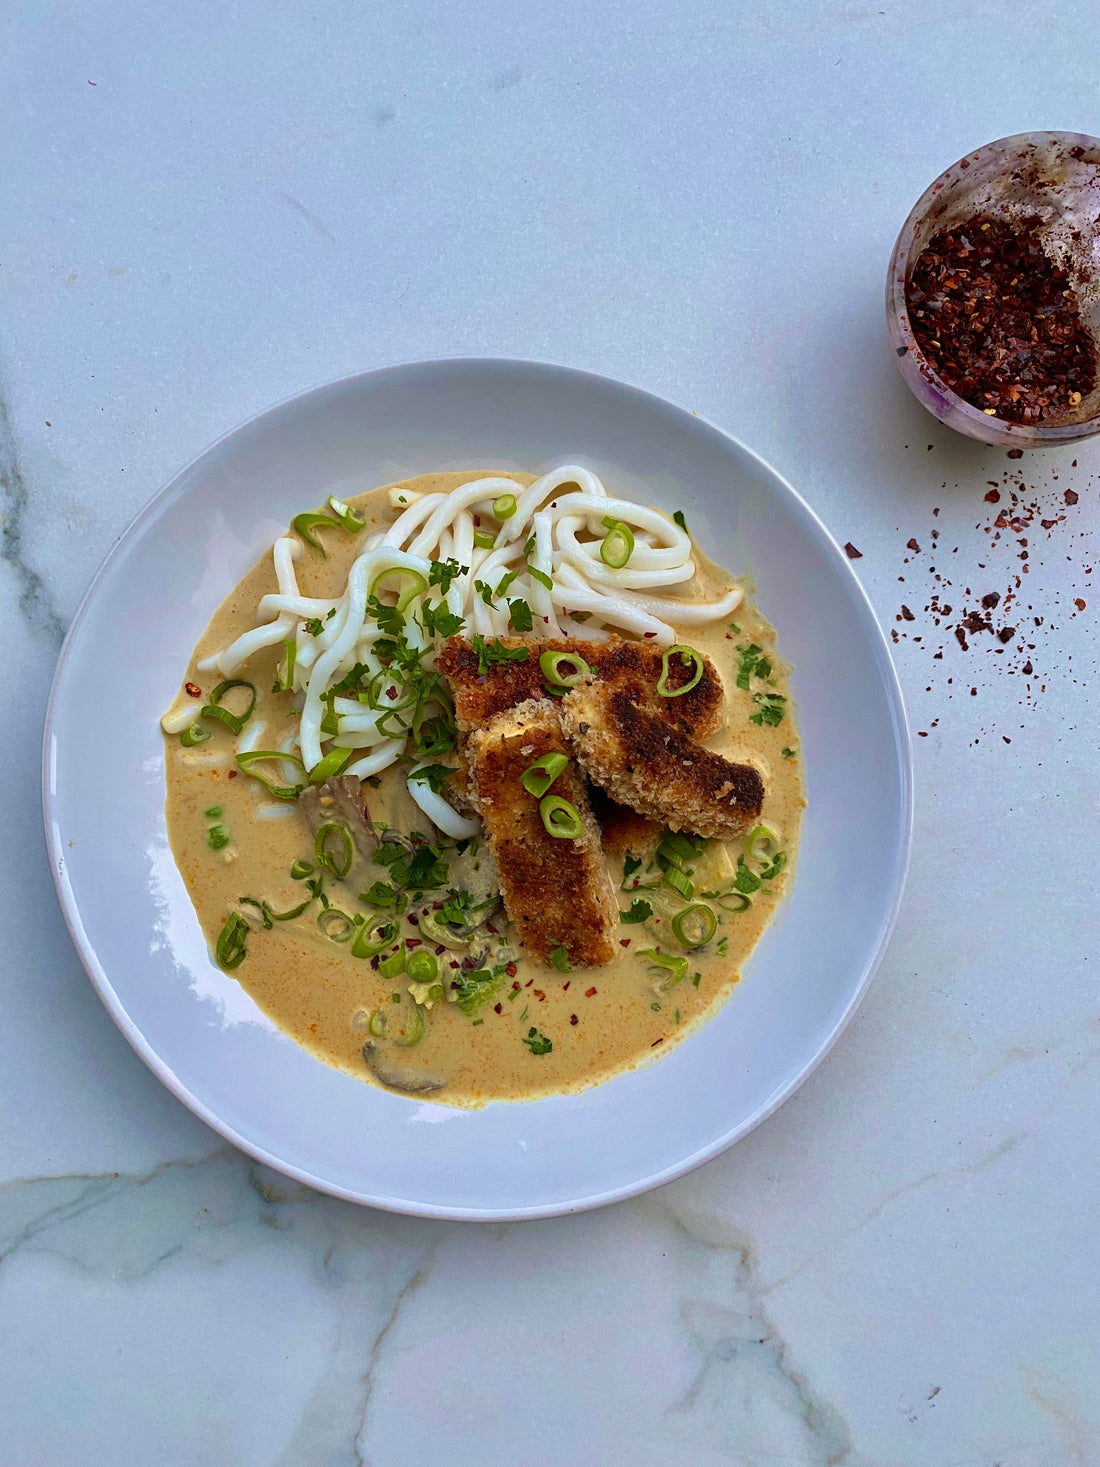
{"x":998,"y":321}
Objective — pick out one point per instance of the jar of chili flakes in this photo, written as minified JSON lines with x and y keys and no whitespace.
{"x":993,"y":292}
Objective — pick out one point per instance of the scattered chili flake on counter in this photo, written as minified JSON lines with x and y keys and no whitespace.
{"x":998,"y":321}
{"x":852,"y":553}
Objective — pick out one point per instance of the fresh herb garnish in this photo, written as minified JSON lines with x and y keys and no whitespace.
{"x":537,"y":1043}
{"x":314,"y":626}
{"x":770,"y":710}
{"x":490,"y":653}
{"x":751,"y":662}
{"x":678,"y":516}
{"x":745,"y":881}
{"x":630,"y":865}
{"x":432,"y":775}
{"x":485,"y":591}
{"x":505,"y":581}
{"x":519,"y":615}
{"x":639,"y":911}
{"x":474,"y":990}
{"x":540,"y":576}
{"x":788,"y":753}
{"x":560,"y":959}
{"x":443,"y":572}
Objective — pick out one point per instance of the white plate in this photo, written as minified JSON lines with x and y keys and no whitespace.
{"x":133,"y":923}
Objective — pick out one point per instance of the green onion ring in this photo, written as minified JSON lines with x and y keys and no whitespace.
{"x":677,"y":967}
{"x":743,"y":902}
{"x":504,"y":507}
{"x":560,"y":818}
{"x":687,"y":656}
{"x":330,"y":765}
{"x":537,"y":778}
{"x":415,"y":1029}
{"x":484,"y":539}
{"x":327,"y":858}
{"x":617,"y":546}
{"x":417,"y":584}
{"x":377,"y":1023}
{"x":300,"y":870}
{"x":394,"y":965}
{"x":231,"y":945}
{"x":549,"y":663}
{"x":336,"y":925}
{"x":350,"y":518}
{"x":305,"y":524}
{"x":706,"y":924}
{"x":196,"y":734}
{"x":245,"y":764}
{"x":214,"y":709}
{"x":761,"y":833}
{"x":365,"y":945}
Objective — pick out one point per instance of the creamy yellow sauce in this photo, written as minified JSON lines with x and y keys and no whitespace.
{"x":599,"y":1021}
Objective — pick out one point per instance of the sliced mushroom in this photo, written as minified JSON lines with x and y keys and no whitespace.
{"x":409,"y":1082}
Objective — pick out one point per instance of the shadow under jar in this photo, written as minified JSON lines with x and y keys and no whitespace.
{"x":1042,"y":183}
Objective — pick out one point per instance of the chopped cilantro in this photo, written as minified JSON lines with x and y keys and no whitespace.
{"x":745,"y":881}
{"x":442,"y":572}
{"x":540,"y":576}
{"x":770,"y":710}
{"x":639,"y":911}
{"x":788,"y":753}
{"x":440,"y":621}
{"x":381,"y":894}
{"x":630,"y":865}
{"x":485,"y":591}
{"x":490,"y":653}
{"x":679,"y":518}
{"x":456,"y":908}
{"x":560,"y":959}
{"x":519,"y":615}
{"x":537,"y":1043}
{"x":751,"y":663}
{"x":314,"y":626}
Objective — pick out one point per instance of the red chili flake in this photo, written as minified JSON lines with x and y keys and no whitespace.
{"x":515,"y":986}
{"x":232,"y":774}
{"x":511,"y":970}
{"x":649,"y":634}
{"x":374,"y":963}
{"x":990,"y":600}
{"x":1006,"y":738}
{"x":440,"y":950}
{"x":391,"y":694}
{"x":907,"y":614}
{"x":589,"y":992}
{"x":1027,"y":668}
{"x":1079,"y":602}
{"x":414,"y":919}
{"x":657,"y":1041}
{"x":1006,"y":634}
{"x":491,"y":928}
{"x":993,"y":497}
{"x":624,"y":941}
{"x":852,"y":553}
{"x":498,"y":1008}
{"x":414,"y":942}
{"x":912,"y":545}
{"x":573,"y":1019}
{"x":528,"y":983}
{"x":193,"y":690}
{"x":453,"y":964}
{"x":1000,"y":324}
{"x":1015,"y":453}
{"x":1071,"y":496}
{"x":565,"y":986}
{"x":538,"y":993}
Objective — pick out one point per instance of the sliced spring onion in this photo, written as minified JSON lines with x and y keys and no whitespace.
{"x":305,"y":524}
{"x":231,"y":945}
{"x":415,"y":1028}
{"x":550,"y":663}
{"x":677,"y":967}
{"x":560,"y":818}
{"x":292,"y":911}
{"x":340,"y":864}
{"x":284,"y":673}
{"x":676,"y":848}
{"x":438,"y":932}
{"x":734,"y":901}
{"x":484,"y":539}
{"x":394,"y":965}
{"x":377,"y":1023}
{"x":410,"y":584}
{"x":217,"y":837}
{"x":246,"y":764}
{"x":537,"y":778}
{"x":234,"y":721}
{"x":196,"y":734}
{"x":688,"y":655}
{"x":504,"y":507}
{"x":213,"y":813}
{"x":370,"y":941}
{"x":350,"y":518}
{"x":266,"y":916}
{"x":331,"y":765}
{"x":695,"y":925}
{"x":300,"y":870}
{"x":681,"y":883}
{"x":617,"y":546}
{"x":761,"y":844}
{"x":422,"y":967}
{"x":336,"y":925}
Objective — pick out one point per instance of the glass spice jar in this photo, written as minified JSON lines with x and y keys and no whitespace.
{"x":1049,"y":177}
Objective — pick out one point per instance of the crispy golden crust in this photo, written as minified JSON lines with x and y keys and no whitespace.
{"x":658,"y":770}
{"x":504,"y":684}
{"x":556,"y":891}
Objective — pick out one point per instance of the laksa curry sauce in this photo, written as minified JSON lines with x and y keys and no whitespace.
{"x":519,"y":875}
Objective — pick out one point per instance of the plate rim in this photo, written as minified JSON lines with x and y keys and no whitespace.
{"x":104,"y":988}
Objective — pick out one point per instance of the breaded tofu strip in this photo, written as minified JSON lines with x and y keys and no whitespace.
{"x":624,"y":831}
{"x":556,"y":891}
{"x":504,"y":684}
{"x":658,"y":770}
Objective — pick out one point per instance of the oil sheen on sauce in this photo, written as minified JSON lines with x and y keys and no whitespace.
{"x":599,"y":1021}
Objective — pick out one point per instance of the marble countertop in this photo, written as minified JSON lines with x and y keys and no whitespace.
{"x":211,"y":207}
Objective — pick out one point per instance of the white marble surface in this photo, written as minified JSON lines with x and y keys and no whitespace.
{"x":210,"y":207}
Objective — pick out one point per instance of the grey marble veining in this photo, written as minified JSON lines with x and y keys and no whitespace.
{"x":211,"y":209}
